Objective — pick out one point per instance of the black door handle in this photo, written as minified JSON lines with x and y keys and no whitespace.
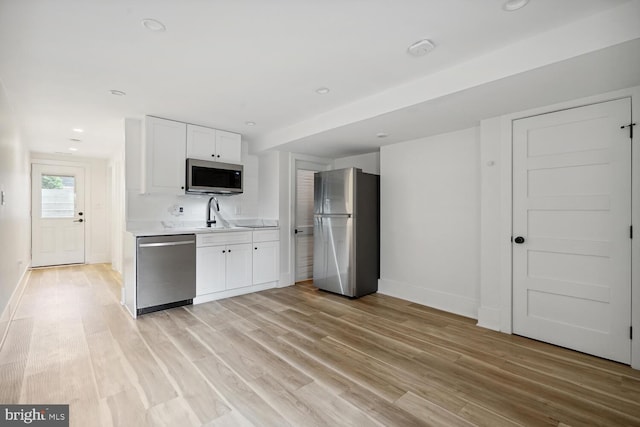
{"x":295,"y":231}
{"x":79,"y":220}
{"x":519,"y":240}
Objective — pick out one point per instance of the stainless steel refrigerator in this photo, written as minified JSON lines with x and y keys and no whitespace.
{"x":346,"y":234}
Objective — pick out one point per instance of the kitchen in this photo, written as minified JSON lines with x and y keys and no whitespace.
{"x":456,"y":163}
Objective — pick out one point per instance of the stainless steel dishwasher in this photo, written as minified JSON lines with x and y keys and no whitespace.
{"x":165,"y":272}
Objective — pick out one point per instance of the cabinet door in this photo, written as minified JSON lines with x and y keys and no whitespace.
{"x":210,"y":269}
{"x":239,"y":261}
{"x":228,"y":147}
{"x":165,"y":148}
{"x":265,"y":262}
{"x":201,"y":143}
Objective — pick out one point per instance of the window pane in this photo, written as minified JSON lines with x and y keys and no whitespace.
{"x":58,"y":196}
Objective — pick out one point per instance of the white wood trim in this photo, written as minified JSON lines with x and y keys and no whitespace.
{"x":489,"y":318}
{"x":506,"y":208}
{"x":10,"y":309}
{"x":234,"y":292}
{"x":294,"y":159}
{"x":440,"y":300}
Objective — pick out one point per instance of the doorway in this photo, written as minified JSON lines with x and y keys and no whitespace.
{"x":57,"y":215}
{"x":571,"y":228}
{"x":303,"y":220}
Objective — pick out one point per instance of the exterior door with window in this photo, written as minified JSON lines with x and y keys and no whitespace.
{"x":57,"y":215}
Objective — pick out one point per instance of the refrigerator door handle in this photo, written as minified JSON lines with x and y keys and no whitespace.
{"x":333,"y":215}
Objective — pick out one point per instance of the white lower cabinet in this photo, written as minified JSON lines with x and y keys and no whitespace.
{"x":239,"y":266}
{"x":265,"y":262}
{"x":210,"y":269}
{"x":232,"y":263}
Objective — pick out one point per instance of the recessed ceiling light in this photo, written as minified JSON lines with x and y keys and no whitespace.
{"x":153,"y":25}
{"x":117,"y":92}
{"x":382,"y":135}
{"x":250,"y":123}
{"x":512,"y":5}
{"x":73,"y":149}
{"x":78,"y":130}
{"x":421,"y":47}
{"x":323,"y":90}
{"x":75,"y":140}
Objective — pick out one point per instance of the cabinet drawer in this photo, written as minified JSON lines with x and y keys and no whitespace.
{"x":213,"y":239}
{"x":266,"y":235}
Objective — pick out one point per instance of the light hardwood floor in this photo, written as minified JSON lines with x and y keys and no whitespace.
{"x":292,"y":356}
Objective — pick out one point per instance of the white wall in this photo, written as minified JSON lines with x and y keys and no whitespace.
{"x":430,"y":221}
{"x":117,"y":209}
{"x":369,"y":163}
{"x":97,"y":203}
{"x":268,"y":185}
{"x":15,"y":221}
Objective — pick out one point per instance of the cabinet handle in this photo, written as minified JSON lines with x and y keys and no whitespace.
{"x":182,"y":188}
{"x":213,"y":155}
{"x":224,"y":251}
{"x":255,"y":249}
{"x":229,"y":250}
{"x":218,"y":155}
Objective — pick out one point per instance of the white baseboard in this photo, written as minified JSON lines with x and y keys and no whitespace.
{"x":285,"y":280}
{"x":99,"y":258}
{"x":10,"y":309}
{"x":233,"y":292}
{"x":441,"y":300}
{"x":489,"y":318}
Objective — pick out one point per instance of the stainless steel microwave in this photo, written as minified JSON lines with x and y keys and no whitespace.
{"x":205,"y":177}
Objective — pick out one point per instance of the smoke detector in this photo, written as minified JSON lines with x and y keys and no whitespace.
{"x":513,"y":5}
{"x":421,"y":48}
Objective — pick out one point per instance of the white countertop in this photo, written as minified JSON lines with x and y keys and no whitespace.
{"x":162,"y":228}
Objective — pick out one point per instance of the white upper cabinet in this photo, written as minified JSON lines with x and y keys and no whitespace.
{"x":212,"y":144}
{"x":201,"y":143}
{"x":164,"y":150}
{"x":228,"y":147}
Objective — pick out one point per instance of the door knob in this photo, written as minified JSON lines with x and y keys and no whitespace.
{"x":295,"y":231}
{"x":79,"y":220}
{"x":80,"y":213}
{"x":519,"y":240}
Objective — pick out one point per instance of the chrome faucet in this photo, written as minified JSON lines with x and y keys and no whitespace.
{"x":209,"y":220}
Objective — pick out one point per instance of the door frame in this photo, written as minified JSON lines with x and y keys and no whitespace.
{"x":505,"y":160}
{"x":87,"y":196}
{"x":294,"y":160}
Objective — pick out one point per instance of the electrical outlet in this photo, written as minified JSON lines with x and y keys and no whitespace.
{"x":176,"y":210}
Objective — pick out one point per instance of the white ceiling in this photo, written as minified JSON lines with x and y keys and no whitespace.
{"x":222,"y":63}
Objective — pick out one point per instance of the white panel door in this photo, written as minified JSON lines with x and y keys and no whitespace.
{"x":572,"y":208}
{"x":57,"y":217}
{"x":304,"y":224}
